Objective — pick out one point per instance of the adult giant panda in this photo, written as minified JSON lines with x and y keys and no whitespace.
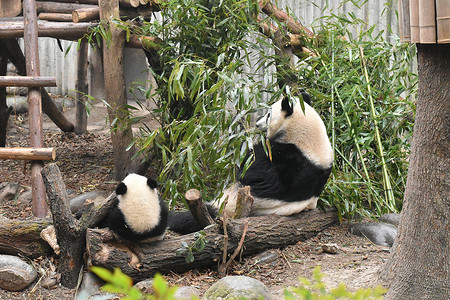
{"x":140,"y":214}
{"x":292,"y":177}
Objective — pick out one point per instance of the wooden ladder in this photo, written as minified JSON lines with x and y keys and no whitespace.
{"x":34,"y":82}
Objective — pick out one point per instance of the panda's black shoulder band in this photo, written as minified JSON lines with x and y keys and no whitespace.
{"x":121,"y":189}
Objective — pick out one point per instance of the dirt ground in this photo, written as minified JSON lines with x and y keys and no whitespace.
{"x":86,"y":164}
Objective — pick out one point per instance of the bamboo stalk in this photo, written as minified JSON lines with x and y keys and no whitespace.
{"x":28,"y":81}
{"x":28,"y":153}
{"x":387,"y":182}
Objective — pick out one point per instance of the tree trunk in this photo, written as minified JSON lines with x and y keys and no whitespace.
{"x":418,"y":267}
{"x":115,"y":94}
{"x":70,"y":232}
{"x":82,"y":88}
{"x":141,"y":261}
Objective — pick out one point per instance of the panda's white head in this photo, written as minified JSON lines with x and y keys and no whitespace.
{"x":139,"y":202}
{"x":286,"y":122}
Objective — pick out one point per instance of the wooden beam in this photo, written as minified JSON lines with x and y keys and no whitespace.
{"x":56,"y":17}
{"x":124,"y":3}
{"x":59,"y":30}
{"x":65,"y":8}
{"x":39,"y":206}
{"x":28,"y":81}
{"x":28,"y":153}
{"x":85,"y":14}
{"x":293,"y":26}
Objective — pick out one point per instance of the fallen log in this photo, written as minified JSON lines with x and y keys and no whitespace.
{"x":22,"y":237}
{"x":144,"y":260}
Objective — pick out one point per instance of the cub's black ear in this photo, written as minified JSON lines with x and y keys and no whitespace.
{"x":286,"y":106}
{"x":152,"y":183}
{"x":306,"y":97}
{"x":121,"y":189}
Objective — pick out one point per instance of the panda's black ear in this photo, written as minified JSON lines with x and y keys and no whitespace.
{"x":152,"y":183}
{"x":121,"y":189}
{"x":306,"y":97}
{"x":286,"y":106}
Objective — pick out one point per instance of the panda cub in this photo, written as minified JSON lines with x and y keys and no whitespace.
{"x":140,"y":214}
{"x":292,"y":178}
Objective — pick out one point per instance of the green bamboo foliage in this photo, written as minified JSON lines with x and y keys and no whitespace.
{"x":364,"y":89}
{"x":360,"y":84}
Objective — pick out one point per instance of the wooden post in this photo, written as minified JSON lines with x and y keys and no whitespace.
{"x":115,"y":87}
{"x":34,"y":106}
{"x":82,"y":88}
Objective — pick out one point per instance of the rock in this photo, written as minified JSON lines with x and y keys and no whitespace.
{"x":15,"y":274}
{"x":236,"y":287}
{"x":25,"y":195}
{"x":379,"y":233}
{"x":266,"y":257}
{"x":8,"y":191}
{"x":145,"y":286}
{"x":330,"y":248}
{"x":78,"y":202}
{"x":90,"y":289}
{"x":186,"y":293}
{"x":391,"y":218}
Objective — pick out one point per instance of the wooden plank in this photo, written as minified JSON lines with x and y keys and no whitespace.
{"x":28,"y":81}
{"x":443,"y":21}
{"x":28,"y":153}
{"x":10,"y":8}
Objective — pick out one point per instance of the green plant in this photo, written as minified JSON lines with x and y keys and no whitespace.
{"x":317,"y":290}
{"x":364,"y":90}
{"x":121,"y":284}
{"x":197,"y":246}
{"x":207,"y":94}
